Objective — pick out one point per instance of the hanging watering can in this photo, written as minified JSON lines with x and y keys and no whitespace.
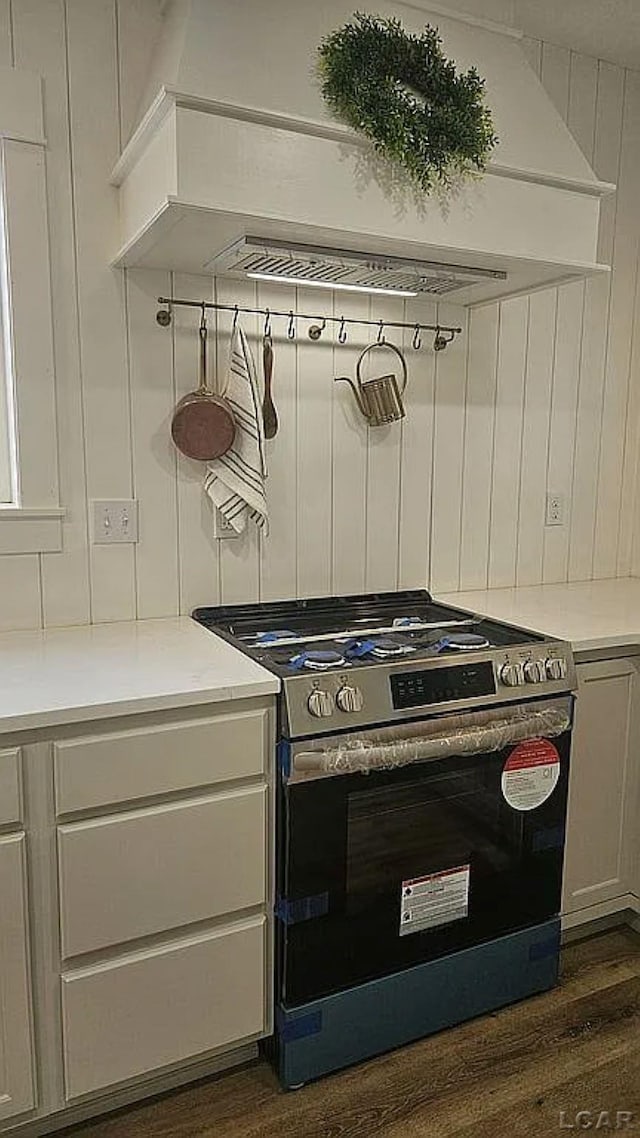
{"x":380,"y":398}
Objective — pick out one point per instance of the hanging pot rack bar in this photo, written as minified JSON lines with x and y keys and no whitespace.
{"x":444,"y":333}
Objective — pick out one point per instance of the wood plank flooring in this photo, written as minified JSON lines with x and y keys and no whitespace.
{"x":522,"y":1072}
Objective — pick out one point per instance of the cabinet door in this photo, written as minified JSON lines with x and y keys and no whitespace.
{"x":600,"y":852}
{"x":16,"y":1056}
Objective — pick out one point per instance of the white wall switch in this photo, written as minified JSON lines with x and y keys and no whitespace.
{"x":555,"y":515}
{"x":222,"y":529}
{"x":115,"y":521}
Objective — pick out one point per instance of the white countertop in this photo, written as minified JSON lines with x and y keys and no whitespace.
{"x":592,"y":615}
{"x":70,"y":675}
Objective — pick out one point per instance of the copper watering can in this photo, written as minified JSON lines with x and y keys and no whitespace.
{"x":379,"y":399}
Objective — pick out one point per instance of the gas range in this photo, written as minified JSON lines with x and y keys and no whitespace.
{"x":353,"y":661}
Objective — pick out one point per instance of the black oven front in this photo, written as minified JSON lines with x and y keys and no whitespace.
{"x":400,"y":845}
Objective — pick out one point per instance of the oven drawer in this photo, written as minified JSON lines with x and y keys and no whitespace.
{"x":165,"y":1005}
{"x":120,"y":766}
{"x":147,"y":871}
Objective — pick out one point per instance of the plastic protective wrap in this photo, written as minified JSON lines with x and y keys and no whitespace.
{"x":465,"y":734}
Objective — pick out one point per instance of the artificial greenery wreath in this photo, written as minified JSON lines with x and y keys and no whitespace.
{"x":401,"y":91}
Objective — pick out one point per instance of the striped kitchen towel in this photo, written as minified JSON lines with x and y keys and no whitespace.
{"x":235,"y":481}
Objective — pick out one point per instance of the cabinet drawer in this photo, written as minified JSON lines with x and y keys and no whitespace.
{"x":144,"y":1012}
{"x":121,"y":766}
{"x":10,"y":797}
{"x":150,"y":870}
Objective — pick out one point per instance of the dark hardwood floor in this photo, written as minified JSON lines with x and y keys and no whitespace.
{"x":524,"y":1071}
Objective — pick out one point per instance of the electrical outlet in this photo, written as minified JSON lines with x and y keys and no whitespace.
{"x":115,"y":521}
{"x":222,"y":529}
{"x":555,"y":510}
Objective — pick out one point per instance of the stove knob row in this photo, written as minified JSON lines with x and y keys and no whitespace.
{"x":320,"y":703}
{"x":533,"y":672}
{"x":349,"y":698}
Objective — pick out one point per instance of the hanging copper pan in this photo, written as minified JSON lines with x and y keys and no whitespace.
{"x":203,"y":426}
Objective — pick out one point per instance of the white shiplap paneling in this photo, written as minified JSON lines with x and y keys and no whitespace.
{"x":540,"y":394}
{"x":535,"y":436}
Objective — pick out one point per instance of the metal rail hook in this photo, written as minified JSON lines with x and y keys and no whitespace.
{"x":203,"y":317}
{"x":267,"y":325}
{"x":342,"y":331}
{"x":442,"y":339}
{"x":234,"y":324}
{"x":380,"y":338}
{"x":416,"y":342}
{"x":291,"y":326}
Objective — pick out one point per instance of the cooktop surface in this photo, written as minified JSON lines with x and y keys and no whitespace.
{"x":321,"y":634}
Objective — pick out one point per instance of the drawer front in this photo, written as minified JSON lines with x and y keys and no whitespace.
{"x":125,"y":765}
{"x":138,"y":1014}
{"x":148,"y":871}
{"x":10,"y":797}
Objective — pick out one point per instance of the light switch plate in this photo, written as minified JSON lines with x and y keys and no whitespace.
{"x":115,"y":521}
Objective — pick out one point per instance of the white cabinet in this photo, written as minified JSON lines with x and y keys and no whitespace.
{"x":164,"y":887}
{"x":16,"y":1050}
{"x":602,"y":826}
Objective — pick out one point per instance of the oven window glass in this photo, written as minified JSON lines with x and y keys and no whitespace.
{"x":423,"y":827}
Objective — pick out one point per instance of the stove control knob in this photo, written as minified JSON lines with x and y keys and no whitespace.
{"x":556,"y":668}
{"x":349,"y":698}
{"x":511,"y":675}
{"x":535,"y":672}
{"x":320,"y":703}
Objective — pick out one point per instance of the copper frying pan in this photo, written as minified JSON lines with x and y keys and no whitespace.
{"x":203,"y":426}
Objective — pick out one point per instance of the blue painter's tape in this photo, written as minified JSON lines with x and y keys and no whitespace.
{"x":297,"y":1027}
{"x":284,"y":757}
{"x":302,"y":909}
{"x":550,"y":838}
{"x":541,"y":949}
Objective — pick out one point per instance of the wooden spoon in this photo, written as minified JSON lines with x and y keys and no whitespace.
{"x":269,"y":413}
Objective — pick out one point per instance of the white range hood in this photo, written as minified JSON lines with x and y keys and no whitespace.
{"x":237,"y":142}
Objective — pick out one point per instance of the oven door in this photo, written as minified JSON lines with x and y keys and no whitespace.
{"x":410,"y":842}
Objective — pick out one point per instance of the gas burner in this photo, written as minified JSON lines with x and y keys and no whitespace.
{"x":264,"y":639}
{"x":462,"y":642}
{"x":317,"y":661}
{"x":384,"y":647}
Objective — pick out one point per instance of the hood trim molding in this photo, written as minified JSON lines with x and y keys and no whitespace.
{"x":169,"y":98}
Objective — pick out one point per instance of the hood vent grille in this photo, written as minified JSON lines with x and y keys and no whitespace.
{"x":339,"y":268}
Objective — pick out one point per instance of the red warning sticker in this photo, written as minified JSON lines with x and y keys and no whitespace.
{"x":530,"y":774}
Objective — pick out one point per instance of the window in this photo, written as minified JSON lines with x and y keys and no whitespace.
{"x":30,"y":513}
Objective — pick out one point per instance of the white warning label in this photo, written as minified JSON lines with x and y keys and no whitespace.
{"x":435,"y":899}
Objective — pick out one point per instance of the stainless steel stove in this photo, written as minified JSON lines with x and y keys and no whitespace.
{"x":346,"y":662}
{"x":422,"y":773}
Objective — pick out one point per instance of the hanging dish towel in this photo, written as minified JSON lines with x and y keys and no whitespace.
{"x":235,"y":481}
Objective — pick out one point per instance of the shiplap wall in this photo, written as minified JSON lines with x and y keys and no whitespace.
{"x":539,"y":393}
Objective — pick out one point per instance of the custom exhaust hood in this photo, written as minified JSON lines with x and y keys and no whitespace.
{"x":237,"y":167}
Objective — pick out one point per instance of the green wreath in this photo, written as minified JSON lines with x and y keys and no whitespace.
{"x":401,"y":91}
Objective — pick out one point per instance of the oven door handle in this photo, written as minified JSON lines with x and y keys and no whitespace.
{"x":355,"y":755}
